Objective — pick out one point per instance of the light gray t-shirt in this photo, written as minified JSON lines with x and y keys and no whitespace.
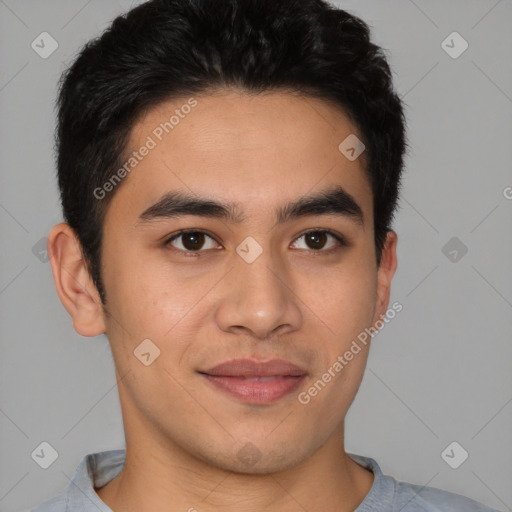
{"x":386,"y":494}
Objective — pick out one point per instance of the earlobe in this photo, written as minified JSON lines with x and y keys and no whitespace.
{"x":385,"y":273}
{"x":73,"y":283}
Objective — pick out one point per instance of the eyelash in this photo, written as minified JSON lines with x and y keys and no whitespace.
{"x":341,"y":241}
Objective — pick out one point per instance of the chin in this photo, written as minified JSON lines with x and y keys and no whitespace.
{"x":253,"y":460}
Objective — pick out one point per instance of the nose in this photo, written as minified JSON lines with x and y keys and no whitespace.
{"x":258,"y":298}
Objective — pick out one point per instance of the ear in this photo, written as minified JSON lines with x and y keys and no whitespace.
{"x":385,"y":274}
{"x":74,"y":285}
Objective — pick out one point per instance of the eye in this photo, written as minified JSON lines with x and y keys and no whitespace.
{"x":317,"y":239}
{"x":191,"y":241}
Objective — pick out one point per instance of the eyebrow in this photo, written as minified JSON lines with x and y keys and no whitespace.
{"x":332,"y":201}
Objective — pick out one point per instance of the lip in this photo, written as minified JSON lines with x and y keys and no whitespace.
{"x":254,"y":381}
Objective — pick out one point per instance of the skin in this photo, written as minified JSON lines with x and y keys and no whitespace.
{"x":293,"y":302}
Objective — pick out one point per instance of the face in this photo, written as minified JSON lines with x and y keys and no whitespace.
{"x":253,"y":278}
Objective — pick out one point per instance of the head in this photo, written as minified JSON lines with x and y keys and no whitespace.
{"x":228,"y":119}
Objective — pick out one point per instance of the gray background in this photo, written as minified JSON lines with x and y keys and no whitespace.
{"x":439,"y":372}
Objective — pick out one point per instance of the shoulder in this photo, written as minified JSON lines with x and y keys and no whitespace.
{"x":388,"y":494}
{"x":55,"y":504}
{"x":410,"y":497}
{"x":94,"y":471}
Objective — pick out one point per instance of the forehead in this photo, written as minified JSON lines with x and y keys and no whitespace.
{"x":256,"y":150}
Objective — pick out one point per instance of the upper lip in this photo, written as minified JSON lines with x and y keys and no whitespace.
{"x":252,"y":368}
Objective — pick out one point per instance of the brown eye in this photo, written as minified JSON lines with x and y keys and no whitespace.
{"x":191,"y":241}
{"x":317,"y":240}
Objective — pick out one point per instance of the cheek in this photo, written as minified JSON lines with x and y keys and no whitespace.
{"x":140,"y":290}
{"x":341,"y":299}
{"x":157,"y":302}
{"x":145,"y":306}
{"x":345,"y":309}
{"x":154,"y":305}
{"x":347,"y":305}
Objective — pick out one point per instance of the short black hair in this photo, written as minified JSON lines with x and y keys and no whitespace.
{"x":166,"y":49}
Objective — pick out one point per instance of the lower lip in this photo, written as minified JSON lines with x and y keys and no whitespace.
{"x":256,"y":391}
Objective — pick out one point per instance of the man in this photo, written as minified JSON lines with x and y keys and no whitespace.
{"x":229,"y":171}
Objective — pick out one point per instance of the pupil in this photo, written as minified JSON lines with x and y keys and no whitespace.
{"x":317,"y":239}
{"x":195,"y":239}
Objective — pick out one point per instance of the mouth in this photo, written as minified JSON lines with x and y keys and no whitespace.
{"x":255,"y":382}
